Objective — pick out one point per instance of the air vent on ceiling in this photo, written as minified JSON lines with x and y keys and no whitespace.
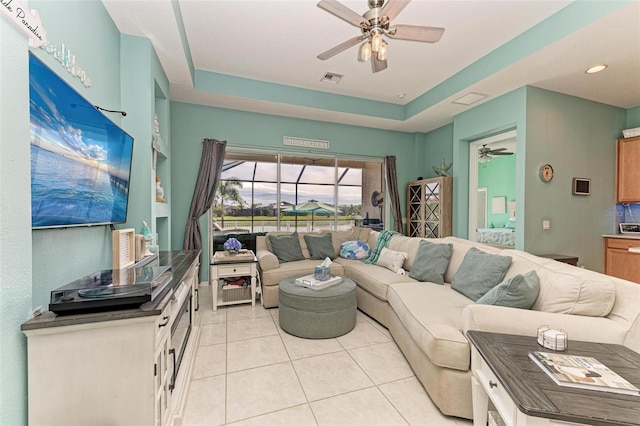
{"x":330,"y":77}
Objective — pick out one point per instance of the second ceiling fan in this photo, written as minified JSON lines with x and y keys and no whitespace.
{"x":374,"y":24}
{"x":485,"y":154}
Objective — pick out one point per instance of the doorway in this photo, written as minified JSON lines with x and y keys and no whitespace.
{"x":491,"y":182}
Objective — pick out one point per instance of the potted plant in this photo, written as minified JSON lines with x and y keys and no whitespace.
{"x":232,"y":246}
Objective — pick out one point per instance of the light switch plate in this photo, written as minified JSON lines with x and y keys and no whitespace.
{"x":546,"y":224}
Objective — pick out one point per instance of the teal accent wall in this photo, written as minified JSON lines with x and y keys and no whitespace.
{"x":506,"y":112}
{"x":145,"y":80}
{"x":192,"y":123}
{"x":95,"y":41}
{"x":498,"y":176}
{"x":438,"y":145}
{"x":32,"y":263}
{"x":633,"y":118}
{"x":577,"y":137}
{"x":244,"y":87}
{"x":15,"y":223}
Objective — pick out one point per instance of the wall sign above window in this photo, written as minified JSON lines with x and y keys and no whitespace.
{"x":27,"y":20}
{"x":305,"y":143}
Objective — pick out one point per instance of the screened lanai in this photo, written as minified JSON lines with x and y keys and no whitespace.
{"x":258,"y":192}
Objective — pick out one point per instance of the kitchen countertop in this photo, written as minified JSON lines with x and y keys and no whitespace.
{"x":180,"y":261}
{"x":625,"y":236}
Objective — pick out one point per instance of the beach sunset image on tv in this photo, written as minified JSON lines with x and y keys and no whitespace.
{"x":80,"y":160}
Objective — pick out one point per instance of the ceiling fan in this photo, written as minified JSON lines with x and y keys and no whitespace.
{"x":485,"y":154}
{"x":375,"y":23}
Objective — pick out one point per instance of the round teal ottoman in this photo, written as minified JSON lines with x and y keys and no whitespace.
{"x":317,"y":314}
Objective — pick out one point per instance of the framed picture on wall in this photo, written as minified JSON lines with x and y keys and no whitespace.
{"x":498,"y":205}
{"x":581,"y":186}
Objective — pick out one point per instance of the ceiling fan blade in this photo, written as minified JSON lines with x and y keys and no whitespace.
{"x":341,"y":47}
{"x":392,"y":8}
{"x":341,"y":11}
{"x":377,"y":64}
{"x":492,"y":151}
{"x":501,"y":153}
{"x":416,"y":33}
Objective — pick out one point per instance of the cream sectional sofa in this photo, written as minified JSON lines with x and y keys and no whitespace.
{"x":428,"y":321}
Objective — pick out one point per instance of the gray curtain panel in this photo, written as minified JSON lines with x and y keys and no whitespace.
{"x":392,"y":185}
{"x":205,"y":190}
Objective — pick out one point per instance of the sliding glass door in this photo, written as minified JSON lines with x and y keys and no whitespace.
{"x":262,"y":192}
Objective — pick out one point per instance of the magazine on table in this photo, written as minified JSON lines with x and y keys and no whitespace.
{"x":582,"y":372}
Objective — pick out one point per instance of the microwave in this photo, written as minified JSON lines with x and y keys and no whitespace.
{"x":630,"y":228}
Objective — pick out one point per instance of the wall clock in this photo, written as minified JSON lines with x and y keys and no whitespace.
{"x":546,"y":172}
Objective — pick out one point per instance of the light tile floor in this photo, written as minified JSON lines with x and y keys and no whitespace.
{"x":250,"y":372}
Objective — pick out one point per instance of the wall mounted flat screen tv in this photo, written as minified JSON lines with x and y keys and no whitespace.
{"x":80,"y":160}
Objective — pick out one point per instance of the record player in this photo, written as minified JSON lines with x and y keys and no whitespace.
{"x":110,"y":289}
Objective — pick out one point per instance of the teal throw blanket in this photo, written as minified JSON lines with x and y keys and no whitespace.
{"x":383,"y":241}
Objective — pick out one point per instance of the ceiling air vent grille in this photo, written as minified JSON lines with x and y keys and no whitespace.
{"x":330,"y":77}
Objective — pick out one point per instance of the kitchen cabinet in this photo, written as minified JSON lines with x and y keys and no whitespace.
{"x":622,"y":258}
{"x":627,"y":170}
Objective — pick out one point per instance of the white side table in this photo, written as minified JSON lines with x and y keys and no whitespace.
{"x":224,"y":265}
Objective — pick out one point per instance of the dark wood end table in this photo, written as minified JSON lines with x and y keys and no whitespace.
{"x":524,"y":395}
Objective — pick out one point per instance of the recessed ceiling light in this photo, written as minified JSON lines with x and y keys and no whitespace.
{"x":596,"y":69}
{"x":469,"y":98}
{"x":401,"y":95}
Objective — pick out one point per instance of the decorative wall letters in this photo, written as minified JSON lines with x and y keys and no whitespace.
{"x":27,"y":20}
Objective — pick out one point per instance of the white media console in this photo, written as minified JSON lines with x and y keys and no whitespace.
{"x":117,"y":367}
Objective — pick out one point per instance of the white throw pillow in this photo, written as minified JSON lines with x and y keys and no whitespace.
{"x":391,"y":259}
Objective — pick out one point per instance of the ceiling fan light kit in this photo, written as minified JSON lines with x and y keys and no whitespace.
{"x":374,"y":24}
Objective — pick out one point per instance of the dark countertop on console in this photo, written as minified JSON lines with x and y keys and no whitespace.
{"x":180,"y":261}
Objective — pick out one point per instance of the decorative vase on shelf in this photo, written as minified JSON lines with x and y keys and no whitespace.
{"x":159,"y":191}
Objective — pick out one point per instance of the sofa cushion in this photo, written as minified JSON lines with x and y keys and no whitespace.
{"x":320,"y":246}
{"x":303,"y":243}
{"x":360,"y":233}
{"x":431,"y":262}
{"x":338,"y":238}
{"x":571,"y":290}
{"x":391,"y":259}
{"x":479,"y":273}
{"x":286,"y":247}
{"x":407,"y":245}
{"x":354,"y":250}
{"x":564,"y":288}
{"x":460,"y":248}
{"x":373,"y":279}
{"x":432,"y":314}
{"x":519,"y":291}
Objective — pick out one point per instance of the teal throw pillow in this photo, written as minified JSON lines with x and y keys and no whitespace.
{"x":431,"y":262}
{"x":286,"y":247}
{"x":320,"y":246}
{"x":479,"y":273}
{"x":520,"y":291}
